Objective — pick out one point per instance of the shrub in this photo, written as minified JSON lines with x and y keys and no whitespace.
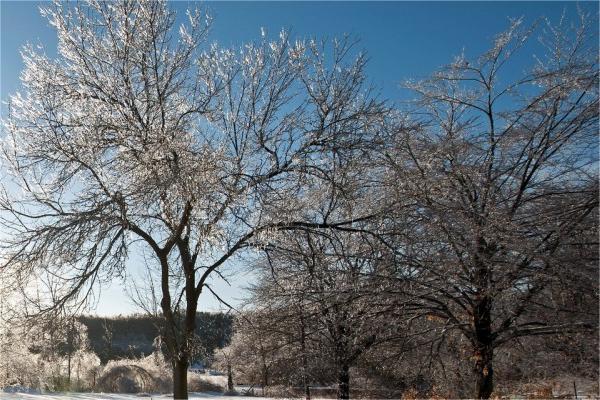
{"x":147,"y":374}
{"x":197,"y":384}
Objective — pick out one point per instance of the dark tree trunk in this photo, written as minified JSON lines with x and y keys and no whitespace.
{"x":482,"y":321}
{"x":69,"y":369}
{"x":304,"y":356}
{"x":344,"y":382}
{"x":484,"y":372}
{"x":177,"y":332}
{"x":180,"y":389}
{"x":229,"y":379}
{"x":265,"y":371}
{"x":265,"y":378}
{"x":484,"y":348}
{"x":70,"y":348}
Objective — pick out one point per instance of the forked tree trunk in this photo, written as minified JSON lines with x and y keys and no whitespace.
{"x":180,"y":389}
{"x":343,"y":382}
{"x":178,"y":346}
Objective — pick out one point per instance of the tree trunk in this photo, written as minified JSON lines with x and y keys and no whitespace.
{"x":177,"y":337}
{"x":482,"y":320}
{"x":344,"y":382}
{"x":265,"y":379}
{"x":69,"y":369}
{"x":265,"y":370}
{"x":180,"y":389}
{"x":304,"y":357}
{"x":484,"y":348}
{"x":484,"y":372}
{"x":229,"y":379}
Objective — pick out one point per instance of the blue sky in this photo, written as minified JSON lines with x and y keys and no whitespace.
{"x":403,"y":40}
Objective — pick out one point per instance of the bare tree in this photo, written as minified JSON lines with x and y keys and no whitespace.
{"x":135,"y":138}
{"x":321,"y":290}
{"x":499,"y":175}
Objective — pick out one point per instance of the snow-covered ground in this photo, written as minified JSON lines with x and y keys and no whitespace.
{"x":117,"y":396}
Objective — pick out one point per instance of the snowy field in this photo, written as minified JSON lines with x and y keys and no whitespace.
{"x":118,"y":396}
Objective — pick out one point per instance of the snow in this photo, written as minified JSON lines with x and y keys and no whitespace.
{"x":19,"y":389}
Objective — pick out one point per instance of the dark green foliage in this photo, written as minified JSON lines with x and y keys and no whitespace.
{"x":132,"y":336}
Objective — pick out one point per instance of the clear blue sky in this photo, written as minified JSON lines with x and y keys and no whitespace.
{"x":403,"y":40}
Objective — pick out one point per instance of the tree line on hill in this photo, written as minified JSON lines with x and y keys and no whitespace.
{"x":133,"y":336}
{"x":71,"y":353}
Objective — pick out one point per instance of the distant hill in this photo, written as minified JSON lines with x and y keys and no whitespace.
{"x":133,"y":335}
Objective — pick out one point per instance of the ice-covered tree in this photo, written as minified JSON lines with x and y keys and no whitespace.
{"x":141,"y":136}
{"x":501,"y":177}
{"x":48,"y":354}
{"x":319,"y":296}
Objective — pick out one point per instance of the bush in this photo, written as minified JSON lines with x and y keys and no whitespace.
{"x":197,"y":384}
{"x":148,"y":374}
